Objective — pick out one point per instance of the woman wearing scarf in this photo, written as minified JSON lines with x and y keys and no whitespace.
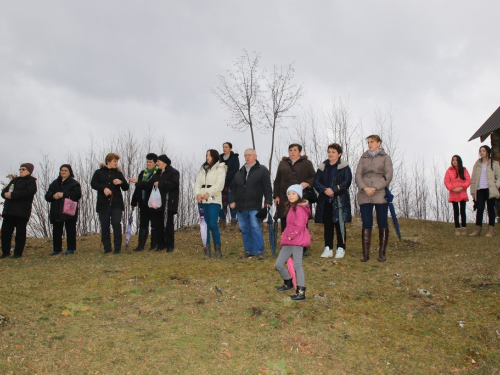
{"x":373,"y":175}
{"x":64,"y":186}
{"x":141,"y":197}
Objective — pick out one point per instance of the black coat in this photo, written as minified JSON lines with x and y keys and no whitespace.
{"x":103,"y":178}
{"x":71,"y":189}
{"x":168,"y":183}
{"x":247,"y":191}
{"x":233,"y":164}
{"x":337,"y":177}
{"x":21,"y":198}
{"x":141,"y":186}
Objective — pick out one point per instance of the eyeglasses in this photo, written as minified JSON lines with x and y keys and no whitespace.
{"x":22,"y":169}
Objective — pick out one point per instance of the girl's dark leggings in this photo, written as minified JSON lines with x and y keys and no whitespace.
{"x":459,"y":212}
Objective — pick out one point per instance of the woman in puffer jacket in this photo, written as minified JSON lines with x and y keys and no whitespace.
{"x":208,"y":192}
{"x":457,"y":180}
{"x":484,"y":185}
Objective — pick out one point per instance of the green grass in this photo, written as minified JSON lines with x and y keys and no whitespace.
{"x":159,"y":313}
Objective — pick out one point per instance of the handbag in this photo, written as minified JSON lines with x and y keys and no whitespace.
{"x":308,"y":193}
{"x":69,"y":207}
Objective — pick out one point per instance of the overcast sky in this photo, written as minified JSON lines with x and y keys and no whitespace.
{"x":69,"y":69}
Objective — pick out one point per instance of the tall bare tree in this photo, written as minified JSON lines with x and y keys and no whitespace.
{"x":240,"y":93}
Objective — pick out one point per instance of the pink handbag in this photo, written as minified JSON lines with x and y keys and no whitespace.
{"x":69,"y":207}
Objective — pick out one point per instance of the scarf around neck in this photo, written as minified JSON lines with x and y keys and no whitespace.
{"x":148,"y":173}
{"x":374,"y":153}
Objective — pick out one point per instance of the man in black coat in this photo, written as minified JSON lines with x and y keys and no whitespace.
{"x":141,"y":197}
{"x":18,"y":195}
{"x":250,"y":184}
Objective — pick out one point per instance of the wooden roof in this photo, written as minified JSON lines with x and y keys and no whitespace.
{"x":492,"y":124}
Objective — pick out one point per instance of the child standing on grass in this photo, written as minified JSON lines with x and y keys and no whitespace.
{"x":457,"y":180}
{"x":293,"y":239}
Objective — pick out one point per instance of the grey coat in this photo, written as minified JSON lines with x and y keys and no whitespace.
{"x":373,"y":172}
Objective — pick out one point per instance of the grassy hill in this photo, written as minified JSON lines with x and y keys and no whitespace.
{"x":432,"y":308}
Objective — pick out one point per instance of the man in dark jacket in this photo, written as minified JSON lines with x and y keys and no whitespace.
{"x":163,"y":217}
{"x":141,"y":197}
{"x":109,"y":183}
{"x":250,"y":184}
{"x":18,"y":195}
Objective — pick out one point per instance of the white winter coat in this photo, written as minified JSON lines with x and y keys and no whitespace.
{"x":215,"y":178}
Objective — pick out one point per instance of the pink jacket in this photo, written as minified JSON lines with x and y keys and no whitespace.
{"x":452,"y":181}
{"x":296,"y":230}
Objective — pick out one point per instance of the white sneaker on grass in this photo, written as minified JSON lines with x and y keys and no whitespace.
{"x":327,"y":253}
{"x":340,"y":253}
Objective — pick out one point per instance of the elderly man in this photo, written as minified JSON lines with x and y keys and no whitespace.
{"x":250,"y":184}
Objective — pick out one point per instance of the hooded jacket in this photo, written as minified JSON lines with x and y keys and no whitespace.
{"x":103,"y":178}
{"x":373,"y":172}
{"x":337,"y":177}
{"x":452,"y":181}
{"x":287,"y":174}
{"x":71,"y":189}
{"x":211,"y":181}
{"x":21,"y":198}
{"x":296,"y":229}
{"x":248,"y":189}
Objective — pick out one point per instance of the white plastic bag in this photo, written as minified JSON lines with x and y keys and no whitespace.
{"x":155,"y":198}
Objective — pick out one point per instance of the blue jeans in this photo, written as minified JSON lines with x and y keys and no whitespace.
{"x":367,"y":215}
{"x":251,"y":230}
{"x":211,"y":215}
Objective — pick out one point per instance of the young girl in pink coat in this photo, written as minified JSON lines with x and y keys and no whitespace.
{"x":457,"y":180}
{"x":293,"y":239}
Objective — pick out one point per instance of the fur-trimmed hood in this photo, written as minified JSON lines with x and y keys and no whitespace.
{"x":342,"y":164}
{"x":103,"y":165}
{"x":302,"y":157}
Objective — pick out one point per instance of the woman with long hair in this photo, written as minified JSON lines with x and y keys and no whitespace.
{"x":457,"y":180}
{"x":64,"y":186}
{"x":207,"y":190}
{"x":485,"y":182}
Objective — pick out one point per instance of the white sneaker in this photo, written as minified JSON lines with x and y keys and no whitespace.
{"x":327,"y":253}
{"x":340,"y":253}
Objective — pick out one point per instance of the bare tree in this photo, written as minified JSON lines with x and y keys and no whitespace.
{"x":280,"y":96}
{"x":240,"y":94}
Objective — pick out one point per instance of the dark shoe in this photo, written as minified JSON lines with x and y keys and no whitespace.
{"x":69,"y":252}
{"x":246,"y":255}
{"x":170,"y":249}
{"x":208,"y":251}
{"x":16,"y":256}
{"x":3,"y":256}
{"x":383,"y":235}
{"x":233,"y":222}
{"x":160,"y":249}
{"x":117,"y":252}
{"x":218,"y":252}
{"x":366,"y":237}
{"x":107,"y":251}
{"x":300,"y":295}
{"x":287,"y":285}
{"x":138,"y":248}
{"x":260,"y":256}
{"x":222,"y":224}
{"x":55,"y":253}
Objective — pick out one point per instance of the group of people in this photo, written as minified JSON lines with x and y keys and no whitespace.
{"x":225,"y":191}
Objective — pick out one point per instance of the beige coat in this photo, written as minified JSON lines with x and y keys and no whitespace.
{"x":373,"y":172}
{"x":493,"y":176}
{"x":215,"y":178}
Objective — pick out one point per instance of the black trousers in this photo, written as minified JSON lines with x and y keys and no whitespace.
{"x":57,"y":234}
{"x":164,"y":229}
{"x":8,"y":225}
{"x":482,"y":199}
{"x":329,"y":227}
{"x":459,"y":212}
{"x":115,"y":219}
{"x":145,"y":217}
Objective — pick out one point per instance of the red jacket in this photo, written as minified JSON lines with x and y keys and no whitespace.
{"x":296,"y":229}
{"x":452,"y":181}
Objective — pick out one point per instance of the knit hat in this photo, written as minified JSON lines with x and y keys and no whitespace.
{"x":164,"y":158}
{"x":295,"y":188}
{"x":30,"y":167}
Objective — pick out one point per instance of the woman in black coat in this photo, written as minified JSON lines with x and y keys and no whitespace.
{"x":64,"y":186}
{"x":18,"y":195}
{"x":332,"y":181}
{"x":109,"y":183}
{"x":232,"y":162}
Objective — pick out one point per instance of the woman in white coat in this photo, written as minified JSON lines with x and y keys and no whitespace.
{"x":208,"y":191}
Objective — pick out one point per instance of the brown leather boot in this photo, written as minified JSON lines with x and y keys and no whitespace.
{"x":366,"y":237}
{"x":477,"y":232}
{"x":383,"y":237}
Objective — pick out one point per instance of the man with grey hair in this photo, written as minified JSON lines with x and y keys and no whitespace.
{"x":250,"y":184}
